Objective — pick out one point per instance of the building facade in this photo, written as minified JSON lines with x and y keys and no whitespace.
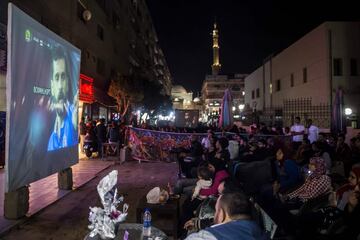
{"x":116,"y":38}
{"x":181,"y":98}
{"x":2,"y":67}
{"x":212,"y":92}
{"x":302,"y":80}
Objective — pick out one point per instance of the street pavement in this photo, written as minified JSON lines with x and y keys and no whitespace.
{"x":68,"y":217}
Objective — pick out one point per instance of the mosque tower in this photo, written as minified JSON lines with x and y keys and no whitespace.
{"x":216,"y":63}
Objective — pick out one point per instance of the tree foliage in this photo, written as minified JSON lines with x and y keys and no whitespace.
{"x":124,"y":90}
{"x":138,"y":90}
{"x":154,"y":101}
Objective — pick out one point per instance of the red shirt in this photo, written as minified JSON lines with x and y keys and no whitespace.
{"x":213,"y":190}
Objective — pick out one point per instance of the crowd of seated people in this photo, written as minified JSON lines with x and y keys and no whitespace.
{"x":291,"y":182}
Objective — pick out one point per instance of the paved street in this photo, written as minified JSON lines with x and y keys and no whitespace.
{"x":67,"y":218}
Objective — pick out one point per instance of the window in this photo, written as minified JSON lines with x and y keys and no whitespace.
{"x":116,"y":50}
{"x":87,"y":53}
{"x":278,"y":85}
{"x":83,"y":56}
{"x":101,"y":4}
{"x":113,"y":72}
{"x":100,"y":66}
{"x":100,"y":32}
{"x":305,"y":75}
{"x":337,"y":66}
{"x":116,"y":21}
{"x":235,"y":88}
{"x":353,"y":67}
{"x":257,"y":93}
{"x":292,"y":80}
{"x":252,"y":94}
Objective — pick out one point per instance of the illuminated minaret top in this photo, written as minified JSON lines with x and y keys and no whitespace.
{"x":216,"y":63}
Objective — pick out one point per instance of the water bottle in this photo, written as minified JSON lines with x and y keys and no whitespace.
{"x":147,"y":223}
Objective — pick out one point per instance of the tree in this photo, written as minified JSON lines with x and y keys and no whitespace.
{"x":154,"y":101}
{"x":126,"y":90}
{"x":139,"y":90}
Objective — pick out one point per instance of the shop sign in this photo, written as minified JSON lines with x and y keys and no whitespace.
{"x":86,"y":88}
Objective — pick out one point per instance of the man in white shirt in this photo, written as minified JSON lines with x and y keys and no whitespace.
{"x":312,"y":131}
{"x":297,"y":131}
{"x":205,"y":142}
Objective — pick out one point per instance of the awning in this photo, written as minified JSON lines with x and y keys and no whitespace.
{"x":103,"y":98}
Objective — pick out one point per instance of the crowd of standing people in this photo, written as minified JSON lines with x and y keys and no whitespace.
{"x":98,"y":133}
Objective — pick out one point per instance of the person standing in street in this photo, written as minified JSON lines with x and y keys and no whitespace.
{"x":312,"y":131}
{"x":101,"y":134}
{"x":297,"y":131}
{"x":82,"y":133}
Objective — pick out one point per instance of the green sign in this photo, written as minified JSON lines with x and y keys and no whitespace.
{"x":27,"y":35}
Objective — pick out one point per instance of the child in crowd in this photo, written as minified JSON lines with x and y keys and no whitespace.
{"x":204,"y":182}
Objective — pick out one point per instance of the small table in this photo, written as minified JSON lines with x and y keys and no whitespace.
{"x":135,"y":232}
{"x":177,"y":151}
{"x":106,"y":146}
{"x":161,"y":211}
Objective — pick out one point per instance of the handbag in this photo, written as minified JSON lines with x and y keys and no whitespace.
{"x":330,"y":215}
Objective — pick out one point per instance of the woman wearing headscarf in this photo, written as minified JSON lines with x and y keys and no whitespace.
{"x":340,"y":206}
{"x":316,"y":184}
{"x":322,"y":150}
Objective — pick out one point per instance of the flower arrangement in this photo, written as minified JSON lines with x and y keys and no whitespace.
{"x":104,"y":220}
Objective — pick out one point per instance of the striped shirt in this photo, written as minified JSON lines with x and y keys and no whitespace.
{"x":312,"y":188}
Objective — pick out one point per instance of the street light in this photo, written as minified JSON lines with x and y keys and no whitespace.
{"x":348,"y":111}
{"x":241,"y":107}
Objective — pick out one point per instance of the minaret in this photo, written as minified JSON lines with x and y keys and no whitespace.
{"x":216,"y":63}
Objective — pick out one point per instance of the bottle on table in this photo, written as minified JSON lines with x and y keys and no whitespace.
{"x":147,"y":223}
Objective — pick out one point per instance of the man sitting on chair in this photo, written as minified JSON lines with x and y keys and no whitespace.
{"x":232,"y":215}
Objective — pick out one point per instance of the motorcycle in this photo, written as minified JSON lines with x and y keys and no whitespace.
{"x":90,"y":146}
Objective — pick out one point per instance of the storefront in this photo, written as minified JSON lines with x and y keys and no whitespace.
{"x":94,"y":103}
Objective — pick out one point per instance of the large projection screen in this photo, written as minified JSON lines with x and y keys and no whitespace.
{"x":42,"y":101}
{"x":186,"y":118}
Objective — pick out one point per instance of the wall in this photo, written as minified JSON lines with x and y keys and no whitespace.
{"x":252,"y":82}
{"x":346,"y":45}
{"x":2,"y":92}
{"x":310,"y":52}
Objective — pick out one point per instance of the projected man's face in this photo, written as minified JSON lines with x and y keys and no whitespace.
{"x":59,"y":84}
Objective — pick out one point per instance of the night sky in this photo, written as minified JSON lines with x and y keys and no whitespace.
{"x":249,"y":32}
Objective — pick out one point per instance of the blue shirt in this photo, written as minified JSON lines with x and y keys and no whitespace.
{"x":238,"y":229}
{"x":289,"y":175}
{"x":68,"y":134}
